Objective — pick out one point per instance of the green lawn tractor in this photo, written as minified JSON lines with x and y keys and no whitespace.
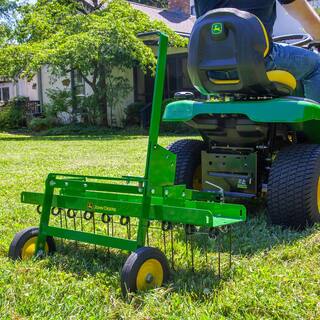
{"x":125,"y":213}
{"x":260,"y":139}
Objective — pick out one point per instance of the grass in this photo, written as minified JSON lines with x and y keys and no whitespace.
{"x":275,"y":273}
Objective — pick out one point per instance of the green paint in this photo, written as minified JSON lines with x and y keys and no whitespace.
{"x":152,"y":197}
{"x":280,"y":110}
{"x":217,"y":28}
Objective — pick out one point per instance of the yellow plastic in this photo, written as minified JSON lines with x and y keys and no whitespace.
{"x":225,"y":81}
{"x":283,"y":77}
{"x":29,"y":248}
{"x":150,"y":275}
{"x":266,"y":37}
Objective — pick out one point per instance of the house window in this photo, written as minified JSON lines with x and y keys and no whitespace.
{"x":79,"y":84}
{"x":4,"y":94}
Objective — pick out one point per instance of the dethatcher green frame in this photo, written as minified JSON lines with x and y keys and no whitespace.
{"x":152,"y":197}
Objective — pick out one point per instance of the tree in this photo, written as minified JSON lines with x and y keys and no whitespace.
{"x":54,"y":33}
{"x":6,"y":19}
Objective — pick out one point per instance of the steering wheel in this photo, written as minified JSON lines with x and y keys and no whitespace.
{"x":298,"y":40}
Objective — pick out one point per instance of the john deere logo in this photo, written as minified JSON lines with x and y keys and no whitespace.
{"x":217,"y":28}
{"x":90,"y":205}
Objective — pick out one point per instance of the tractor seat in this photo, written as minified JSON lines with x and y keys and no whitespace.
{"x":227,"y":51}
{"x":281,"y":79}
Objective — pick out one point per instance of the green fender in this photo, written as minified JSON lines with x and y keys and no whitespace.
{"x":281,"y":110}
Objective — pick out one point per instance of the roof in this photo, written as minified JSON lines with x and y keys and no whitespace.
{"x":176,"y":20}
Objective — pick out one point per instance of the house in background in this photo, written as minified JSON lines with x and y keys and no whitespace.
{"x":10,"y":89}
{"x":180,"y":17}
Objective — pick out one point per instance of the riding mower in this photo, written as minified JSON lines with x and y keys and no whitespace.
{"x":259,"y":138}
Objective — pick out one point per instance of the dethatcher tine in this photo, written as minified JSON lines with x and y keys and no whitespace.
{"x":73,"y":201}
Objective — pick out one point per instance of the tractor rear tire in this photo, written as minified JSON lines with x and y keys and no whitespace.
{"x":293,"y":198}
{"x":188,"y":168}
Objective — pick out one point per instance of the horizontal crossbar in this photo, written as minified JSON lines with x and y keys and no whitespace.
{"x":102,"y":240}
{"x":199,"y":213}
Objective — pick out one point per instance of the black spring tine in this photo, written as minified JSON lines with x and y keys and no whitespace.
{"x":164,"y":242}
{"x":108,"y":234}
{"x":219,"y":254}
{"x":192,"y":253}
{"x":186,"y":241}
{"x":75,"y":228}
{"x":172,"y":249}
{"x":61,"y":223}
{"x":148,"y":241}
{"x":129,"y":230}
{"x":206,"y":248}
{"x":65,"y":219}
{"x":112,"y":227}
{"x":230,"y":246}
{"x":81,"y":221}
{"x":94,"y":229}
{"x":74,"y":224}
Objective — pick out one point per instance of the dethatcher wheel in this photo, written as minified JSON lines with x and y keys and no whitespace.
{"x":293,"y":198}
{"x":146,"y":268}
{"x":188,"y":169}
{"x":23,"y":245}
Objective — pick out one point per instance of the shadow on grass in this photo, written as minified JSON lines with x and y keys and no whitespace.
{"x":248,"y":238}
{"x":85,"y":133}
{"x":73,"y":137}
{"x":81,"y":259}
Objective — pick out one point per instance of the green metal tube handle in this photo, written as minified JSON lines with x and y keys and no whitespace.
{"x":153,"y":133}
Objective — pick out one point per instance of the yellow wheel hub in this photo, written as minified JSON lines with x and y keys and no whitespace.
{"x":150,"y":275}
{"x":197,"y":179}
{"x":29,"y":248}
{"x":318,"y":195}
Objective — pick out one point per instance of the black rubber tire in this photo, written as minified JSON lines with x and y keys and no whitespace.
{"x":133,"y":263}
{"x":188,"y":159}
{"x":22,"y":237}
{"x":292,"y":187}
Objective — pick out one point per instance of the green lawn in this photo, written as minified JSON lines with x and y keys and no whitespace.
{"x":275,"y":274}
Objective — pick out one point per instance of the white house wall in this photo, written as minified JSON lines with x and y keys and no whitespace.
{"x":28,"y":89}
{"x":120,"y":114}
{"x":50,"y":82}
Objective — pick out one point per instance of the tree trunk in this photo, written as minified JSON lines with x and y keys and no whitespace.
{"x":102,"y":94}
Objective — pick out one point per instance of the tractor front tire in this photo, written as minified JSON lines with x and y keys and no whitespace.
{"x":188,"y":168}
{"x":293,"y":198}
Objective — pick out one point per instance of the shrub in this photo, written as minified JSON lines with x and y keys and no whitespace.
{"x":89,"y":110}
{"x":41,"y":124}
{"x":60,"y":101}
{"x":133,"y":113}
{"x":12,"y":115}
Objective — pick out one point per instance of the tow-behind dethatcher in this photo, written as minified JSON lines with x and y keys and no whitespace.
{"x":124,"y":213}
